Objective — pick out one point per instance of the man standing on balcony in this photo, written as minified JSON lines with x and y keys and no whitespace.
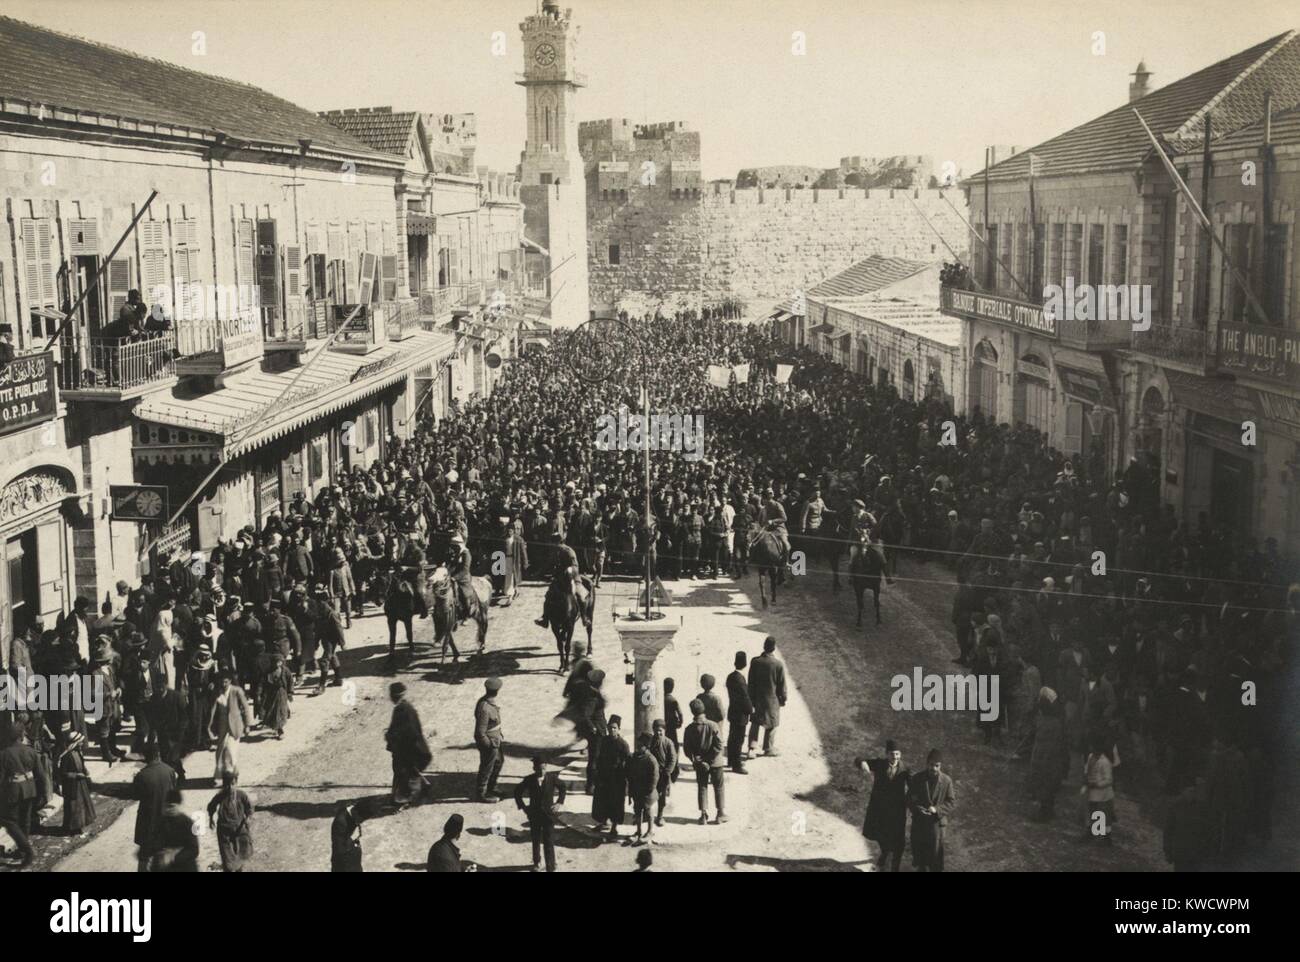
{"x":130,"y":319}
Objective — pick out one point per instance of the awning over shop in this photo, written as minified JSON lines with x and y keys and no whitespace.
{"x":525,"y":243}
{"x":420,"y":224}
{"x":1088,"y":386}
{"x":1222,"y":399}
{"x":826,"y":329}
{"x":232,"y":418}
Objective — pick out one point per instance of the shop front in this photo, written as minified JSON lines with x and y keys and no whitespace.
{"x":36,"y":508}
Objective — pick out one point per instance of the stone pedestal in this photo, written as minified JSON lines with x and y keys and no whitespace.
{"x":644,"y":640}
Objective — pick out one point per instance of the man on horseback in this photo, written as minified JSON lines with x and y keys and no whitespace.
{"x":458,"y":568}
{"x":774,"y":520}
{"x":565,"y":578}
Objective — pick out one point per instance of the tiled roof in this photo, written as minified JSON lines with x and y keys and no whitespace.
{"x":872,"y":274}
{"x":1286,"y":130}
{"x":377,"y":127}
{"x":43,"y":67}
{"x":1232,"y":90}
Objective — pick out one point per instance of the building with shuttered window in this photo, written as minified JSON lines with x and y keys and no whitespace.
{"x":1096,"y":206}
{"x":270,"y":227}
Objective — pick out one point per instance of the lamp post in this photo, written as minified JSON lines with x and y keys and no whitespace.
{"x":595,"y":356}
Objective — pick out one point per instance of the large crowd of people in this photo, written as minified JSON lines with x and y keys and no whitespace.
{"x":1118,"y":632}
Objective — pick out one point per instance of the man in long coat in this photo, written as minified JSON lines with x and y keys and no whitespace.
{"x":405,"y":738}
{"x":739,"y":708}
{"x":886,"y":821}
{"x":345,"y":839}
{"x":932,"y":800}
{"x":153,"y":786}
{"x":609,"y":801}
{"x":767,"y":693}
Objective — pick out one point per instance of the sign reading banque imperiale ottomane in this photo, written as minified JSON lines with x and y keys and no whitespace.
{"x":27,"y":392}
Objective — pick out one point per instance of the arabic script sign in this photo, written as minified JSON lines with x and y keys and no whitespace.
{"x":27,"y":391}
{"x":1256,"y":351}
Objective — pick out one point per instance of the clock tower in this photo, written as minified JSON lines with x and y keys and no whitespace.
{"x":551,"y":176}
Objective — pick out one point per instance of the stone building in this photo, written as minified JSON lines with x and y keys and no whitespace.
{"x":880,"y":319}
{"x":1102,"y":218}
{"x":269,"y":228}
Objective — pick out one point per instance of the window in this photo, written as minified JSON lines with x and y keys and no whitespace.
{"x":186,"y":267}
{"x":1023,"y":258}
{"x":1096,"y":255}
{"x":1073,"y":441}
{"x":1036,"y":279}
{"x":153,"y":261}
{"x":1074,"y":253}
{"x":614,"y":255}
{"x":989,"y":249}
{"x":1056,"y":256}
{"x":1005,"y":282}
{"x":39,"y":268}
{"x":1275,"y":264}
{"x":1119,"y":254}
{"x":1233,"y":303}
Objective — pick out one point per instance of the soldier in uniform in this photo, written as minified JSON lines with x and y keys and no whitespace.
{"x":488,"y":738}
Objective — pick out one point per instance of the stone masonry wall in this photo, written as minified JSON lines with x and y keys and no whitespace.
{"x":759,"y":245}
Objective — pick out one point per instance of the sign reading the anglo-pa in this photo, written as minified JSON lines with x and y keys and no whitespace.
{"x":27,"y":392}
{"x":138,"y":502}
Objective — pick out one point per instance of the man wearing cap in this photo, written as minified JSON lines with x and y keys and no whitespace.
{"x":18,"y":764}
{"x":886,"y":820}
{"x":540,"y":795}
{"x":707,"y":697}
{"x":931,"y":798}
{"x":642,"y":786}
{"x":444,"y":854}
{"x":664,"y":751}
{"x":702,"y":743}
{"x":739,"y":708}
{"x":608,"y":800}
{"x":488,"y":738}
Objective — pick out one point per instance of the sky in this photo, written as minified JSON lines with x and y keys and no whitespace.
{"x":877,"y":77}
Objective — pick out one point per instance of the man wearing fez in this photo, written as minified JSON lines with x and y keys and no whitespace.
{"x":932,"y":800}
{"x":886,"y":821}
{"x":405,"y":740}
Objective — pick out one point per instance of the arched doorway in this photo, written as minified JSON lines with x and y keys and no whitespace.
{"x":1032,"y":398}
{"x":984,"y":379}
{"x":37,"y":553}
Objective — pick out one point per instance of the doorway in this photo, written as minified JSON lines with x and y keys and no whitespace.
{"x":24,"y":581}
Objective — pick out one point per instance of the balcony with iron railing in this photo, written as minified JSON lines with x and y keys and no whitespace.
{"x":116,"y":369}
{"x":441,"y":301}
{"x":1186,"y":346}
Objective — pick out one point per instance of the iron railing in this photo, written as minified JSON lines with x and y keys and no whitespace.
{"x":1175,"y":342}
{"x":401,"y":318}
{"x":112,"y":365}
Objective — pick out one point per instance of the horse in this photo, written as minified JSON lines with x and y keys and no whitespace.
{"x":441,"y":591}
{"x":563,"y":609}
{"x":866,"y":565}
{"x":833,"y":541}
{"x":765,"y":556}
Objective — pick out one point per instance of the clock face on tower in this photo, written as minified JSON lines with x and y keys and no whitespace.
{"x":544,"y":54}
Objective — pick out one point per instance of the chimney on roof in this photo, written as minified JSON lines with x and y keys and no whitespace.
{"x":1139,"y":88}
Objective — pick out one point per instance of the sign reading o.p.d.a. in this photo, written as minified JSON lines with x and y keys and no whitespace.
{"x":27,"y":392}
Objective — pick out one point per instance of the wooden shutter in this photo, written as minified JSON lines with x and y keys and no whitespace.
{"x":153,"y":259}
{"x":245,"y":275}
{"x":388,"y":267}
{"x":119,"y":285}
{"x":292,"y":270}
{"x":366,"y":278}
{"x":39,"y":267}
{"x":268,"y":264}
{"x":83,"y":237}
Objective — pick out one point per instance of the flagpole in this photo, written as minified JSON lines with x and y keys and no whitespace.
{"x":1205,"y":221}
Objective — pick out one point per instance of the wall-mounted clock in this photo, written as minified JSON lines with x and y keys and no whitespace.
{"x":544,"y":54}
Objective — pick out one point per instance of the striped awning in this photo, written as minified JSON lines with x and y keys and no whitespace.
{"x":236,"y":413}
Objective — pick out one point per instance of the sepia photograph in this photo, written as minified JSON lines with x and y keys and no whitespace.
{"x":593,"y":436}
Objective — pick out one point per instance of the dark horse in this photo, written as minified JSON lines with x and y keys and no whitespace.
{"x":765,"y":556}
{"x":834,"y":539}
{"x":443,"y":608}
{"x":563,"y":609}
{"x":866,"y":565}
